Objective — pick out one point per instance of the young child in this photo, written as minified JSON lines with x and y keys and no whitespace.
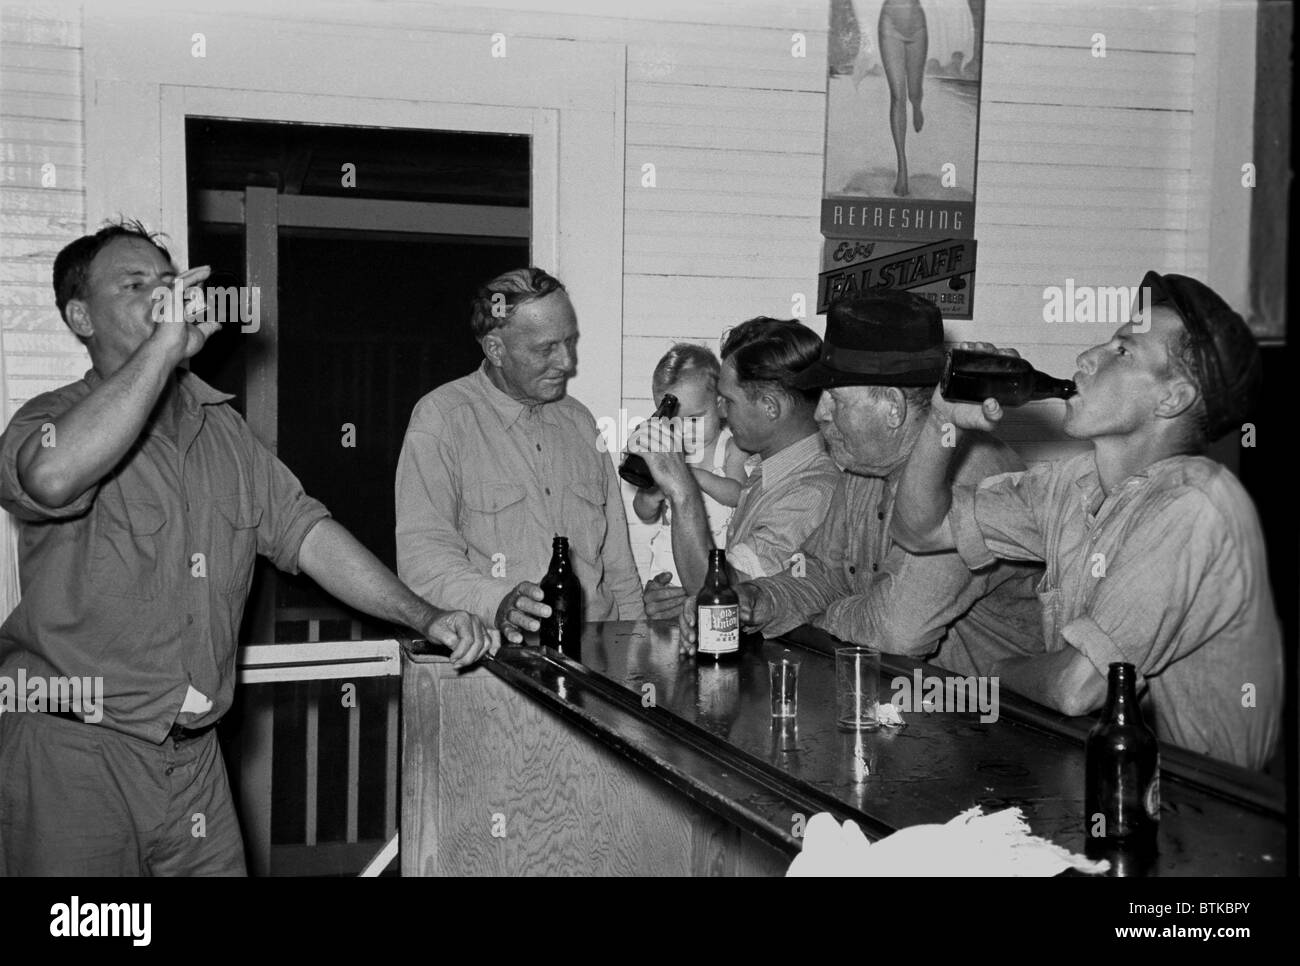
{"x":690,"y":372}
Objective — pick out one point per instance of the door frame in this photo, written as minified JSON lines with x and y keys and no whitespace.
{"x":143,"y":78}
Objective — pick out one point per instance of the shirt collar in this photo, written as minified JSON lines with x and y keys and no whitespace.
{"x":194,"y":391}
{"x":794,"y":457}
{"x":507,"y":407}
{"x":1089,"y":483}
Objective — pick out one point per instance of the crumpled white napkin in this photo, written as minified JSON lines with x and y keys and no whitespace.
{"x":888,"y":714}
{"x":972,"y":844}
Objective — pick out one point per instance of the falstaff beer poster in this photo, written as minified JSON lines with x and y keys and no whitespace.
{"x":902,"y":126}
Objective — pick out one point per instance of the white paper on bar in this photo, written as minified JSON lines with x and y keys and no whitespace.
{"x":888,"y":714}
{"x":971,"y":844}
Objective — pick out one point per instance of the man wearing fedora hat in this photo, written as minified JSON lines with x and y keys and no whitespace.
{"x":882,"y":356}
{"x":1154,"y":553}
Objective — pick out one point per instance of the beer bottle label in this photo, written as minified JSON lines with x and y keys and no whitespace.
{"x":718,"y":629}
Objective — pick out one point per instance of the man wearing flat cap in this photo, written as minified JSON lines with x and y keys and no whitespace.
{"x":880,"y":361}
{"x":1154,"y":553}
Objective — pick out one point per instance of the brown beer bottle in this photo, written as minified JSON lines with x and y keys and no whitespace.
{"x":634,"y":469}
{"x":562,"y":592}
{"x":971,"y":376}
{"x":1122,"y":779}
{"x":717,"y":613}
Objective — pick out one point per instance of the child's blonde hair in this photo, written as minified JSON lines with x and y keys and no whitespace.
{"x":684,"y":360}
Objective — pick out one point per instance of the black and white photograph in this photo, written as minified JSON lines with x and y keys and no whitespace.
{"x":571,"y":439}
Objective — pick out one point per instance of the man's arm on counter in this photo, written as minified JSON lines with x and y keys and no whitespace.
{"x":1065,"y":680}
{"x":804,"y":592}
{"x":336,"y":560}
{"x":909,"y":604}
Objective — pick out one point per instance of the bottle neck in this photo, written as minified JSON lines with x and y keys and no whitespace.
{"x":1047,"y":387}
{"x":1121,"y":696}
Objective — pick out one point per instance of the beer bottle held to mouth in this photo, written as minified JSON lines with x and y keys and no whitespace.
{"x":633,"y":468}
{"x":971,"y":376}
{"x":717,"y":613}
{"x":1122,"y":777}
{"x":562,"y":592}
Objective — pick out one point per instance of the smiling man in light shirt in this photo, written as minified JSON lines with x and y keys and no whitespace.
{"x":1154,"y":553}
{"x":497,"y":463}
{"x":144,"y":499}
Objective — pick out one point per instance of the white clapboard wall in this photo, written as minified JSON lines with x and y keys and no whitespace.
{"x":1087,"y":167}
{"x":42,"y":202}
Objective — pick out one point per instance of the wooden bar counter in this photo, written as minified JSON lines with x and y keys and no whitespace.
{"x":636,"y":761}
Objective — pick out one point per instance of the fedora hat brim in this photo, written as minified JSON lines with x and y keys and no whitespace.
{"x":819,"y":375}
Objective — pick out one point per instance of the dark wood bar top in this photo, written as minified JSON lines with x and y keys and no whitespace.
{"x":706,"y":730}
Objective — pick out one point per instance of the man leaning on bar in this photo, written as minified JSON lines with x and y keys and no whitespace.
{"x":1154,"y":552}
{"x":497,"y":463}
{"x":143,"y":498}
{"x":882,"y":357}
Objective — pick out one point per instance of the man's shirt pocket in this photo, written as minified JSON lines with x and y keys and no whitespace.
{"x":234,"y":544}
{"x":494,"y":516}
{"x":129,"y":550}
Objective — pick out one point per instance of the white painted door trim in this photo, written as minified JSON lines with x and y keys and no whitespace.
{"x":568,"y":96}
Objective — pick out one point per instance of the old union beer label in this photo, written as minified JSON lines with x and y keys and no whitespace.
{"x":719,"y":629}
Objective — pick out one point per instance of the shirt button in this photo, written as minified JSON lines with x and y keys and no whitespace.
{"x":853,"y":570}
{"x":168,"y":770}
{"x":189,"y":618}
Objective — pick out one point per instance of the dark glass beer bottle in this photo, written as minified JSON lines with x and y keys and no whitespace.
{"x":634,"y":469}
{"x":562,"y":592}
{"x":1122,"y":780}
{"x":970,"y":376}
{"x":717,"y":613}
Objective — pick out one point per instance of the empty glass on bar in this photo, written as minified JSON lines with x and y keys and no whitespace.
{"x":857,"y":685}
{"x":783,"y":676}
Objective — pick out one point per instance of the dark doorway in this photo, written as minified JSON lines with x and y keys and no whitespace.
{"x":380,"y":238}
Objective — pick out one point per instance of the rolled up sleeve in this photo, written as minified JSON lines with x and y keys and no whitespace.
{"x":1003,"y":517}
{"x":37,"y":416}
{"x":288,"y":513}
{"x":786,"y":523}
{"x":971,"y":548}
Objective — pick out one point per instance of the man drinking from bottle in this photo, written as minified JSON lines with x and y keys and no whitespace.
{"x":1154,"y":554}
